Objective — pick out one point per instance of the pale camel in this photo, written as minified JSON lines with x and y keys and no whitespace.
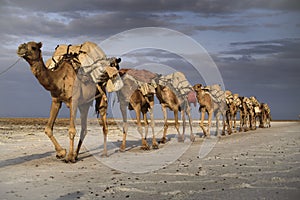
{"x":140,"y":100}
{"x":209,"y":105}
{"x":66,"y":87}
{"x":168,"y":99}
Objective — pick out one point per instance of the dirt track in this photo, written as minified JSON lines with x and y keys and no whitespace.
{"x":261,"y":164}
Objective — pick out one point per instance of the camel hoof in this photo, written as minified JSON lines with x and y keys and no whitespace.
{"x":122,"y":148}
{"x":104,"y":155}
{"x":71,"y":158}
{"x":61,"y":154}
{"x":163,"y":140}
{"x":145,"y":148}
{"x":155,"y":146}
{"x":206,"y":136}
{"x":192,"y":138}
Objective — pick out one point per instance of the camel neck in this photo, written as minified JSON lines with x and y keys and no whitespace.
{"x":43,"y":74}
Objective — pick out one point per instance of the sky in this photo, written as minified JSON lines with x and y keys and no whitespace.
{"x":253,"y":44}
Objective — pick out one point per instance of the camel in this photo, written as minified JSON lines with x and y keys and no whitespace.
{"x":265,"y":115}
{"x":210,"y":105}
{"x":137,"y":95}
{"x":244,"y":115}
{"x":175,"y":97}
{"x":233,"y":103}
{"x":65,"y":86}
{"x":247,"y":115}
{"x":251,"y":113}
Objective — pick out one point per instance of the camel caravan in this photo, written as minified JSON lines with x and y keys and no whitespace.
{"x":79,"y":74}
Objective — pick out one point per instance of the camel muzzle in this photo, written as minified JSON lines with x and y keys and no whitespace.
{"x":22,"y":50}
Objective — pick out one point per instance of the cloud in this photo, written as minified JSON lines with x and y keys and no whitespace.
{"x":266,"y":66}
{"x":281,"y":48}
{"x":204,"y":6}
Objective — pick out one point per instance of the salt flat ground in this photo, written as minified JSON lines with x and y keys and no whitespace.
{"x":259,"y":164}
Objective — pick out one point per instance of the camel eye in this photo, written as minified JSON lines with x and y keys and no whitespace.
{"x":33,"y":48}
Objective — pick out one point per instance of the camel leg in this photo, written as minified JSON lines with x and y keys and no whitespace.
{"x":103,"y":116}
{"x":224,"y":123}
{"x":84,"y":109}
{"x":177,"y":125}
{"x":137,"y":110}
{"x":181,"y":137}
{"x":188,"y":112}
{"x":123,"y":107}
{"x":202,"y":121}
{"x":241,"y":121}
{"x":234,"y":122}
{"x":146,"y":125}
{"x":229,"y":122}
{"x":55,"y":106}
{"x":154,"y":142}
{"x":217,"y":123}
{"x":164,"y":138}
{"x":210,"y":114}
{"x":72,"y":132}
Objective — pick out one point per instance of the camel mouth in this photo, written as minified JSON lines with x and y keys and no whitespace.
{"x":22,"y":50}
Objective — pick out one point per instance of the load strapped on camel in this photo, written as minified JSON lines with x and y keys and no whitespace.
{"x":142,"y":80}
{"x":88,"y":58}
{"x":178,"y":83}
{"x":216,"y":92}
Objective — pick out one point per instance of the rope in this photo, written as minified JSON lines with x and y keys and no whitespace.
{"x":11,"y":66}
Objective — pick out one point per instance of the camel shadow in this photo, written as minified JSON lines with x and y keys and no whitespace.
{"x":113,"y":147}
{"x":23,"y":159}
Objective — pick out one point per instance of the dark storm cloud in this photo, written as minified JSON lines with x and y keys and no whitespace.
{"x":205,"y":6}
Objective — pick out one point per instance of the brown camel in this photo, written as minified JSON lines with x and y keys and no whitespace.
{"x":233,"y":103}
{"x":210,"y":105}
{"x":257,"y":111}
{"x":66,"y":87}
{"x":265,"y":116}
{"x":251,"y":113}
{"x":174,"y":96}
{"x":137,"y":94}
{"x":244,"y":115}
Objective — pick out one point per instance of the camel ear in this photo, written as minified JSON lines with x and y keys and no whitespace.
{"x":118,"y":60}
{"x":40,"y":45}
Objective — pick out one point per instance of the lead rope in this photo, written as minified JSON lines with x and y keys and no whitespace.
{"x":11,"y":66}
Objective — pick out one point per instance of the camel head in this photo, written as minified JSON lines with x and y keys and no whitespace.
{"x":114,"y":62}
{"x":30,"y":51}
{"x":197,"y":87}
